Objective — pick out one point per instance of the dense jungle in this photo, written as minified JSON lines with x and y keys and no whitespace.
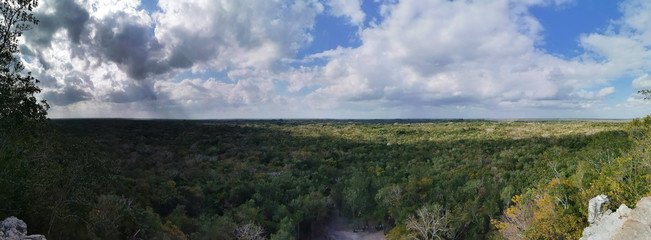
{"x":289,"y":179}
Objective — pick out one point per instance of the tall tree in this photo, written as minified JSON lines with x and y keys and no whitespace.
{"x":17,"y":88}
{"x":19,"y":108}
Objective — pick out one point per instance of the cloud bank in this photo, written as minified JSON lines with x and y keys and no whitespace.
{"x":239,"y":59}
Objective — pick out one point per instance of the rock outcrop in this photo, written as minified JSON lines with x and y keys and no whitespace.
{"x":625,"y":223}
{"x":13,"y":228}
{"x":596,"y":208}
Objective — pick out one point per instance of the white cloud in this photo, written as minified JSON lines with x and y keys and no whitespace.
{"x":606,"y":91}
{"x":351,"y":9}
{"x":436,"y":53}
{"x":434,"y":58}
{"x":625,"y":47}
{"x":642,"y":82}
{"x":93,"y":56}
{"x":233,"y":34}
{"x":595,"y":95}
{"x":124,"y":55}
{"x":244,"y":92}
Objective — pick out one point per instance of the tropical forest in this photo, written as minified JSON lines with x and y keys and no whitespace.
{"x":289,"y":179}
{"x":120,"y":120}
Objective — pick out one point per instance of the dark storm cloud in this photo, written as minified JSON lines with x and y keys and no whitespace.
{"x":125,"y":50}
{"x":74,"y":18}
{"x":77,"y":87}
{"x":131,"y":47}
{"x":67,"y":14}
{"x":193,"y":49}
{"x":69,"y":95}
{"x":129,"y":41}
{"x":133,"y":92}
{"x":184,"y":56}
{"x":48,"y":81}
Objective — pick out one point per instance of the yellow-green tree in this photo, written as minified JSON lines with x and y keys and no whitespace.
{"x":545,"y":213}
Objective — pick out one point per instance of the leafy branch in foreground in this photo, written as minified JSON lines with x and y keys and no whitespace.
{"x":646,"y":93}
{"x":17,"y":101}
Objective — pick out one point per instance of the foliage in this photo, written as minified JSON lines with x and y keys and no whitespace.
{"x":558,"y":209}
{"x":547,"y":212}
{"x":429,"y":222}
{"x":249,"y":231}
{"x":207,"y":179}
{"x":517,"y":219}
{"x":24,"y":169}
{"x":120,"y":179}
{"x":17,"y":101}
{"x":627,"y":178}
{"x":646,"y":93}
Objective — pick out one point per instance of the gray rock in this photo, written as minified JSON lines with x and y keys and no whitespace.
{"x":622,"y":224}
{"x":642,"y":211}
{"x":633,"y":230}
{"x":596,"y":208}
{"x":35,"y":237}
{"x":13,"y":228}
{"x":607,"y":224}
{"x":13,"y":223}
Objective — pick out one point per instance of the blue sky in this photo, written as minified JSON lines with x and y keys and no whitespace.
{"x":564,"y":24}
{"x":342,"y":58}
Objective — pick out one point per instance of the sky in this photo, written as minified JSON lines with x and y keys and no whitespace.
{"x":352,"y":59}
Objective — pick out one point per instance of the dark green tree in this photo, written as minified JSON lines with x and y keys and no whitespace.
{"x":19,"y":108}
{"x":18,"y":104}
{"x":20,"y":111}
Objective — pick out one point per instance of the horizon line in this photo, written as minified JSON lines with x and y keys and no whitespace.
{"x":334,"y":119}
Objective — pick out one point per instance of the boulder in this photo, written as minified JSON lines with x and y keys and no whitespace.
{"x":597,"y":207}
{"x":623,"y":224}
{"x":13,"y":228}
{"x":606,"y":225}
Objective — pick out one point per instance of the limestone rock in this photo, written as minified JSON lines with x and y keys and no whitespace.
{"x":35,"y":237}
{"x":633,"y":230}
{"x":622,"y":224}
{"x":596,"y":208}
{"x":642,"y":212}
{"x":13,"y":228}
{"x":607,"y":224}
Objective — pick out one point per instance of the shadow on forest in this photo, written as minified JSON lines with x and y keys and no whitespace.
{"x":291,"y":176}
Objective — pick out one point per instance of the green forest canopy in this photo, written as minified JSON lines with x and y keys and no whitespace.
{"x":286,"y":179}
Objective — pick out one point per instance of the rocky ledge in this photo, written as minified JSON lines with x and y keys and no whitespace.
{"x":13,"y":228}
{"x":625,"y":223}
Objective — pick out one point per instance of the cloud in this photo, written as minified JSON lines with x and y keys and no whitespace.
{"x":212,"y":91}
{"x":68,"y":95}
{"x":129,"y":46}
{"x":132,"y":92}
{"x":642,"y":82}
{"x":97,"y":31}
{"x":421,"y":58}
{"x":233,"y":34}
{"x":350,"y":9}
{"x":596,"y":95}
{"x":55,"y":15}
{"x":606,"y":91}
{"x":450,"y":53}
{"x":122,"y":50}
{"x":624,"y":48}
{"x":184,"y":34}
